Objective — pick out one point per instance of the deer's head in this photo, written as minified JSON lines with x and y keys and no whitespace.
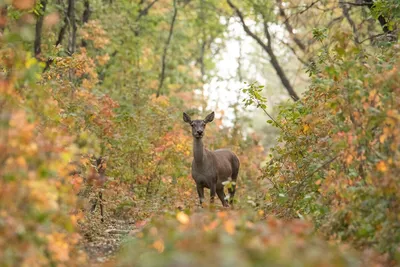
{"x":198,"y":126}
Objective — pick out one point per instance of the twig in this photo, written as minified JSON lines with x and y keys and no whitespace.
{"x":266,"y":112}
{"x":353,"y":4}
{"x":373,"y":37}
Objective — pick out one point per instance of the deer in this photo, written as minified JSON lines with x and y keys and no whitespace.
{"x":212,"y":169}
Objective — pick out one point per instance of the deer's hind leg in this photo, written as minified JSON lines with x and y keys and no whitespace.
{"x":213,"y":188}
{"x":232,"y":187}
{"x":221,"y":195}
{"x":235,"y":173}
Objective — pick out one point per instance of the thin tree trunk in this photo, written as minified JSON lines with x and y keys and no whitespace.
{"x":63,"y":29}
{"x":85,"y":17}
{"x":38,"y":30}
{"x":3,"y":18}
{"x":73,"y":27}
{"x":164,"y":56}
{"x":61,"y":34}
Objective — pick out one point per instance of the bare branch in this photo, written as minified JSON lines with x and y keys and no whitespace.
{"x":267,"y":48}
{"x":294,"y":52}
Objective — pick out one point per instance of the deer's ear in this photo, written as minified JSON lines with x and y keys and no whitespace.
{"x":186,"y":118}
{"x":210,"y":117}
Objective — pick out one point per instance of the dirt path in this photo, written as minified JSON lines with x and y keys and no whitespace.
{"x":102,"y":241}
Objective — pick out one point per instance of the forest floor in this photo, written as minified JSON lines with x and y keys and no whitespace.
{"x":102,"y":240}
{"x":102,"y":244}
{"x":170,"y":229}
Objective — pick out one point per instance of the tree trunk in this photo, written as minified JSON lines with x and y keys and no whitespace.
{"x":73,"y":28}
{"x":85,"y":17}
{"x":38,"y":30}
{"x":164,"y":56}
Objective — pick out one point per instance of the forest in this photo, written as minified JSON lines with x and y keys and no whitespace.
{"x":103,"y":112}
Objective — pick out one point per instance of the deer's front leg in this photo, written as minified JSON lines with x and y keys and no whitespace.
{"x":200,"y":191}
{"x":213,"y":190}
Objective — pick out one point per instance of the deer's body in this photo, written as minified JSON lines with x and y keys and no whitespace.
{"x":211,"y":168}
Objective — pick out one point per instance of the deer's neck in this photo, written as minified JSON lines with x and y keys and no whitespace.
{"x":198,"y":151}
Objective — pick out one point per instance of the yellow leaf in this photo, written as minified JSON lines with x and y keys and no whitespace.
{"x":306,"y":128}
{"x":372,"y":95}
{"x":381,"y":166}
{"x":31,"y":61}
{"x":182,"y":217}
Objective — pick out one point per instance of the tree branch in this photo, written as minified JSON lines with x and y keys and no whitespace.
{"x":289,"y":27}
{"x":144,"y":11}
{"x":294,"y":52}
{"x":346,"y":14}
{"x":267,"y":48}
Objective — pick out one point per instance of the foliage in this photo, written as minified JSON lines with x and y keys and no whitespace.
{"x":338,"y":157}
{"x":229,"y":238}
{"x":86,"y":138}
{"x":36,"y":193}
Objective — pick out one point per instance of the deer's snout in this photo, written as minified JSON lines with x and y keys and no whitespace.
{"x":199,"y":132}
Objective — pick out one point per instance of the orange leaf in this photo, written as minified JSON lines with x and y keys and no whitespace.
{"x":229,"y":226}
{"x":159,"y":245}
